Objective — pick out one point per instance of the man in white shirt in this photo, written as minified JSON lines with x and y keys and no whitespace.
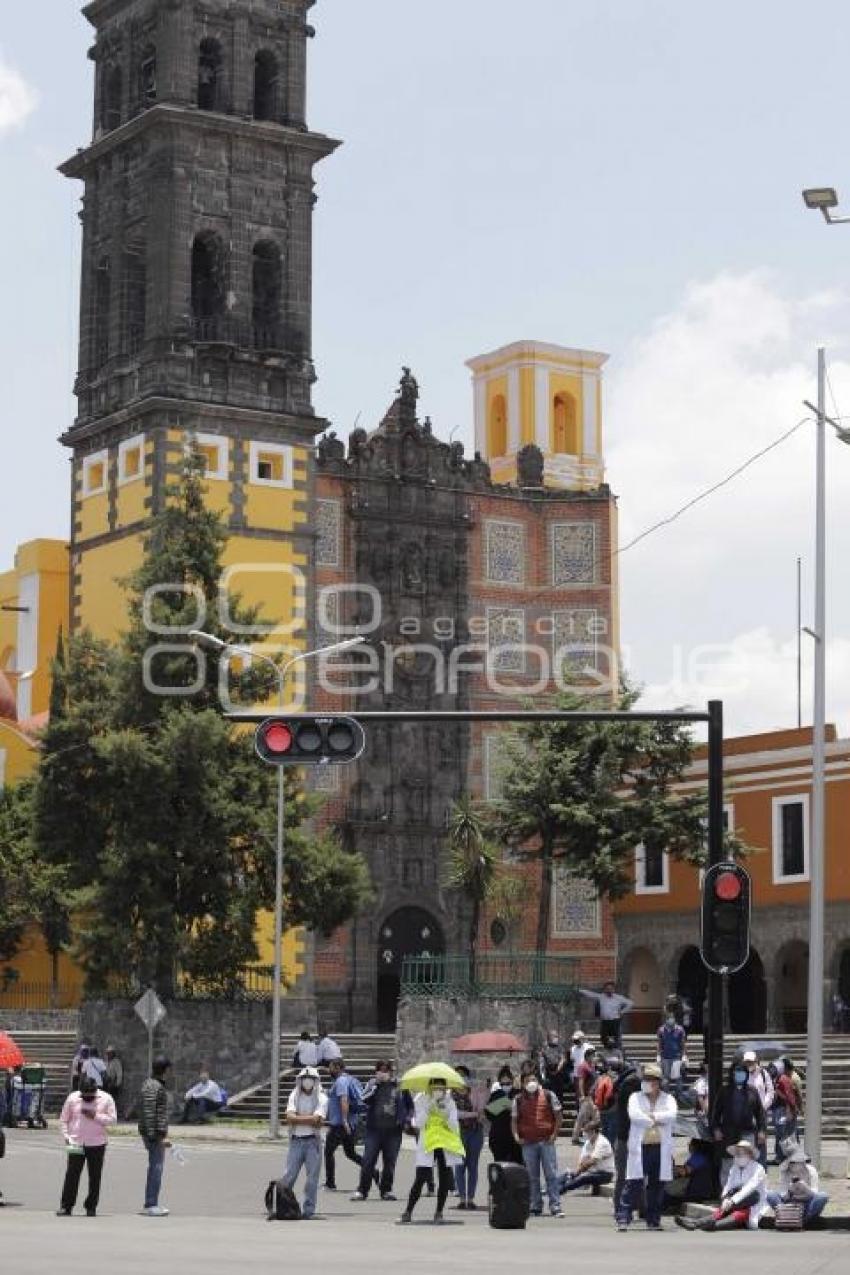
{"x":611,"y":1007}
{"x":799,"y":1183}
{"x":203,"y":1100}
{"x":306,"y":1053}
{"x":306,"y":1112}
{"x":578,"y":1049}
{"x":329,"y":1050}
{"x":744,"y":1197}
{"x":595,"y":1165}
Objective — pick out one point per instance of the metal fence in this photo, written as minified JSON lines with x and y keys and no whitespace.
{"x":15,"y":995}
{"x":514,"y":975}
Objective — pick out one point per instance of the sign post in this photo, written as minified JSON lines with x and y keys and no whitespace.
{"x":151,"y":1011}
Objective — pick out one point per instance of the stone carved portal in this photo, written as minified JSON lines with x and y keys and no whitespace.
{"x":406,"y":932}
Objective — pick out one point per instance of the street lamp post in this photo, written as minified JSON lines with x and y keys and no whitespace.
{"x":821,"y":199}
{"x":213,"y":643}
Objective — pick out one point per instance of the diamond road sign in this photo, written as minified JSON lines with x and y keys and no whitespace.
{"x":150,"y":1009}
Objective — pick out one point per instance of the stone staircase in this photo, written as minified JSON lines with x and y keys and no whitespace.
{"x":360,"y":1050}
{"x":55,"y":1051}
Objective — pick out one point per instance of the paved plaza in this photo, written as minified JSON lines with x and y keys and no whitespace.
{"x":217,"y":1225}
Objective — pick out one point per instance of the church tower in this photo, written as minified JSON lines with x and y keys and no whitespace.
{"x":195,"y":318}
{"x":530,"y":392}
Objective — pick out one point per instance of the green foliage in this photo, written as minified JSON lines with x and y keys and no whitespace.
{"x":17,"y":871}
{"x":586,"y":794}
{"x":156,"y":808}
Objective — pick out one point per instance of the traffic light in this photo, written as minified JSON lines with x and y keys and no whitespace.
{"x":309,"y":741}
{"x":725,"y":943}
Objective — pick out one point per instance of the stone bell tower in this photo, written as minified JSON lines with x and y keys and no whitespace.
{"x":195,"y":314}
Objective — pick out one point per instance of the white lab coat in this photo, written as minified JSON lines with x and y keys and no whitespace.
{"x":422,"y":1107}
{"x":741,"y":1183}
{"x":665,"y":1113}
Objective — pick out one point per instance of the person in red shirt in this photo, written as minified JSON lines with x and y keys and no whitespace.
{"x":585,"y":1079}
{"x":785,"y":1108}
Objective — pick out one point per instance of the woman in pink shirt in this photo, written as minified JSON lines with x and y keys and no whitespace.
{"x":85,"y":1116}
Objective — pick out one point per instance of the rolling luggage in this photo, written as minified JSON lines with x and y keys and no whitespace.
{"x":510,"y":1196}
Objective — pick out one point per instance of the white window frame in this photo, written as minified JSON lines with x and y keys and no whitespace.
{"x":222,"y":448}
{"x":89,"y":462}
{"x":129,"y":445}
{"x":274,"y":449}
{"x":640,"y":865}
{"x":500,"y":522}
{"x":794,"y":799}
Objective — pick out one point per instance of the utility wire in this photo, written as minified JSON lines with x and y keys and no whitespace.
{"x":703,"y":495}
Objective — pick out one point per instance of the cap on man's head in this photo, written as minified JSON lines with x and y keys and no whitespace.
{"x":652,"y":1072}
{"x":797,"y":1155}
{"x":309,"y":1072}
{"x":750,"y":1056}
{"x":579,"y":1036}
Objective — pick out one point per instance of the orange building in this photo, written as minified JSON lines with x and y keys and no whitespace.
{"x":768,"y":785}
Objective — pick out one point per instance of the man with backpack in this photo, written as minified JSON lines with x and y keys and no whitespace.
{"x":305,"y":1115}
{"x":388,"y":1110}
{"x":345,"y":1101}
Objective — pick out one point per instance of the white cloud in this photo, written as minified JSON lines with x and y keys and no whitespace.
{"x":18,"y":99}
{"x":712,"y":383}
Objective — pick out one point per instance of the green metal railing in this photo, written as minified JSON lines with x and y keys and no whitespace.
{"x":514,"y":975}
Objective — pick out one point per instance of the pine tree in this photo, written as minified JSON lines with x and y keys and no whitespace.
{"x":586,"y":794}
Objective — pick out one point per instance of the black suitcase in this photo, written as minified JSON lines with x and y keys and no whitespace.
{"x":510,"y":1196}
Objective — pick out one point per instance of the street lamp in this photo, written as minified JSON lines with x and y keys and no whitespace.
{"x":823,"y":199}
{"x":212,"y":643}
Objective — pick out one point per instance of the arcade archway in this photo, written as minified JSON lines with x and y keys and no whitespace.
{"x":692,"y":984}
{"x":792,"y":986}
{"x":748,"y":997}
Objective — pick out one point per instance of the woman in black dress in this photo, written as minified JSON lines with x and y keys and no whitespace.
{"x":503,"y":1146}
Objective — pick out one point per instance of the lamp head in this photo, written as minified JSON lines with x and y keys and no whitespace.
{"x":821,"y":198}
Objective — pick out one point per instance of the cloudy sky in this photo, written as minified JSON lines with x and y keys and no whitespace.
{"x":622,"y":175}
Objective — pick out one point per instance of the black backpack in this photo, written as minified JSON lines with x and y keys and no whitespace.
{"x":281,"y":1204}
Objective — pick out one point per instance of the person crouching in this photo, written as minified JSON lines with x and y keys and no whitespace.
{"x":744,"y":1197}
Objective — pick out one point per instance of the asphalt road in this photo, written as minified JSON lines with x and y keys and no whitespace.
{"x":217,"y":1227}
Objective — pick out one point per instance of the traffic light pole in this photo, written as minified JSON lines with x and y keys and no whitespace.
{"x":274,"y":1095}
{"x":715,"y":855}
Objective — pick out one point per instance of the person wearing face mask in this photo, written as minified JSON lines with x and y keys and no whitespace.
{"x":438,"y":1145}
{"x":799,"y":1184}
{"x":388,"y":1110}
{"x":650,"y":1152}
{"x":306,"y":1111}
{"x":671,"y":1050}
{"x":737,"y":1114}
{"x":535,"y":1121}
{"x":470,"y":1111}
{"x":743,"y":1199}
{"x":500,"y":1139}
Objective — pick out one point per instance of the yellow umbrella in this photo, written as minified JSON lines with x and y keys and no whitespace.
{"x":419,"y":1078}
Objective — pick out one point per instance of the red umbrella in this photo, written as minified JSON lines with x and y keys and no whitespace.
{"x":489,"y":1043}
{"x":10,"y":1054}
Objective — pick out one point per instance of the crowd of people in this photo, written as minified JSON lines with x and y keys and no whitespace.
{"x":625,"y":1125}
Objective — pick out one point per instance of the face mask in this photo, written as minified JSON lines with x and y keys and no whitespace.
{"x":507,"y":1086}
{"x":307,"y":1086}
{"x":439,"y":1095}
{"x":531,"y":1086}
{"x":648,"y":1086}
{"x":382,"y":1077}
{"x":741,"y":1077}
{"x":671,"y":1022}
{"x":742,"y":1161}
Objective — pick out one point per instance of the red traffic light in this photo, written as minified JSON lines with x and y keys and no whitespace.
{"x":309,"y":741}
{"x":728,"y":886}
{"x":277,"y":737}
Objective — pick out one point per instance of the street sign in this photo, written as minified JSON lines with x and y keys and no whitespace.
{"x":150,"y":1009}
